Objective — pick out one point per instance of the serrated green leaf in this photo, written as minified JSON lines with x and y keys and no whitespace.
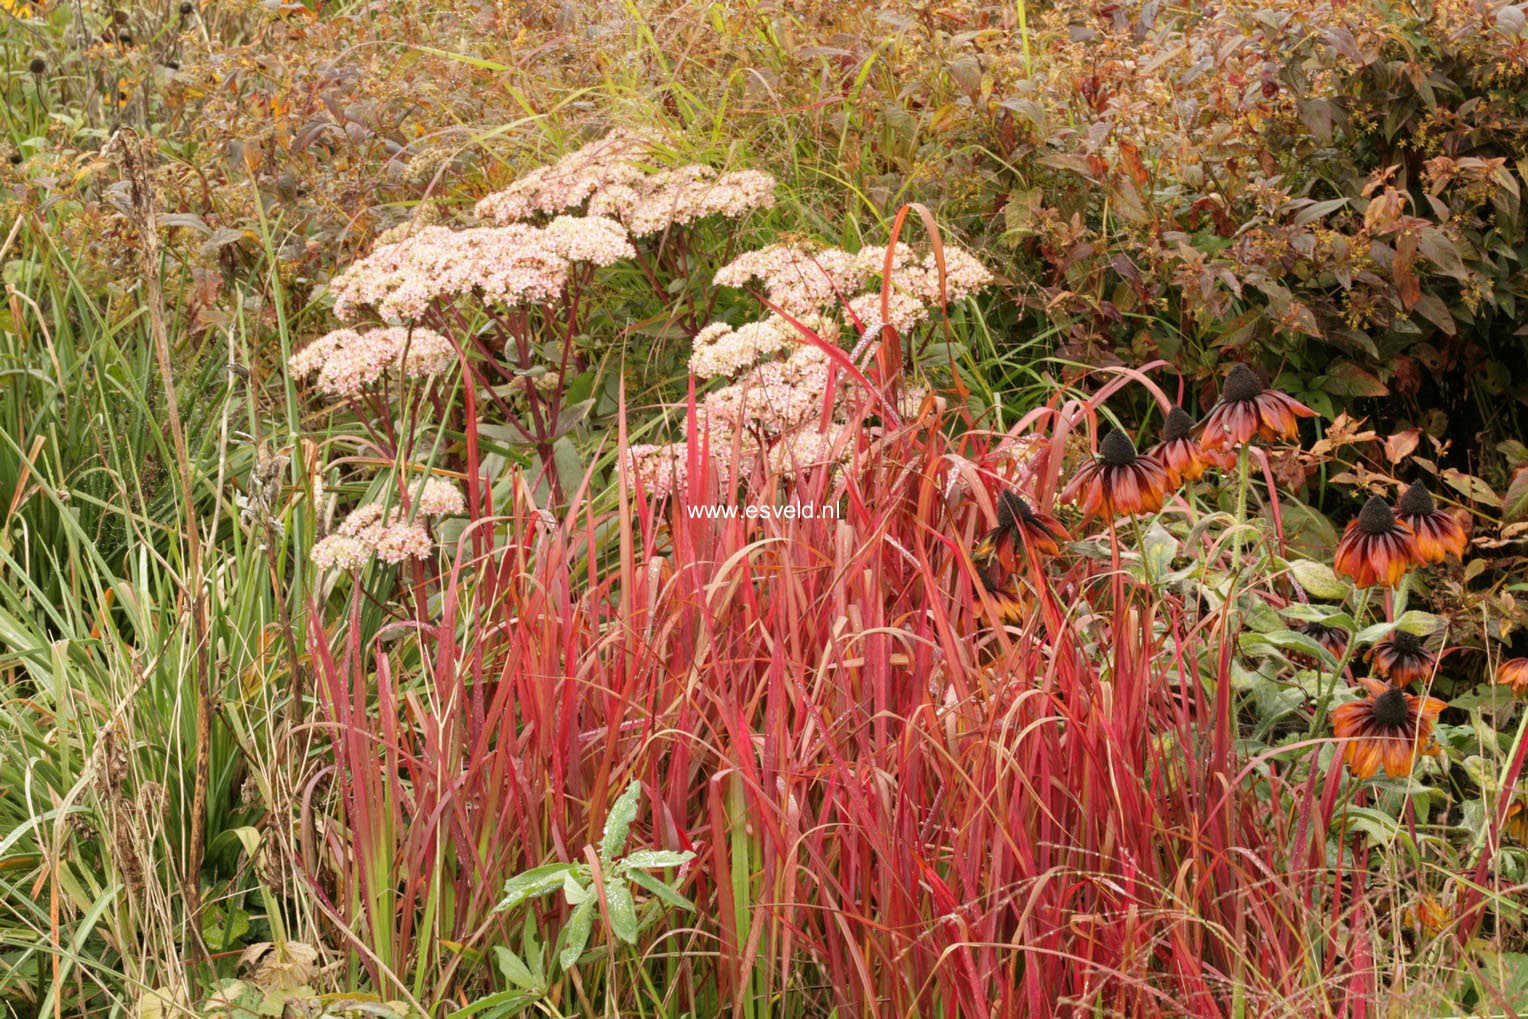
{"x":532,"y":884}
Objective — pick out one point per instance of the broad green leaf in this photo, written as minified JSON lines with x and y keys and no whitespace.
{"x":623,"y":912}
{"x":532,"y":884}
{"x":650,"y":859}
{"x":1318,"y":579}
{"x":513,"y":970}
{"x":658,"y":888}
{"x":622,"y":813}
{"x":576,"y":934}
{"x":574,"y":891}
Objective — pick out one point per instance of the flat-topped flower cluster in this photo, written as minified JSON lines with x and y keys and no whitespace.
{"x":778,"y":403}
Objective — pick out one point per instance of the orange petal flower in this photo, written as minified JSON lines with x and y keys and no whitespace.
{"x":1375,"y":548}
{"x":1246,"y":408}
{"x":1516,"y":825}
{"x":1514,"y":673}
{"x":1401,"y":658}
{"x":1178,"y":452}
{"x":1119,"y":482}
{"x":1439,"y":535}
{"x":1387,"y":728}
{"x":1333,"y":638}
{"x":1019,"y":526}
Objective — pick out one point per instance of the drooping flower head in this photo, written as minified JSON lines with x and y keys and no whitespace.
{"x":1019,"y":527}
{"x":1402,"y":658}
{"x":1438,"y":534}
{"x":1333,"y":638}
{"x":1246,"y":409}
{"x":1514,"y":673}
{"x":1119,"y":482}
{"x":1376,"y":548}
{"x":1388,"y":727}
{"x":1178,"y":451}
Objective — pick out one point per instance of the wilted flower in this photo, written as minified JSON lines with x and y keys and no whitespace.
{"x":1438,"y":534}
{"x":1118,"y":482}
{"x":1178,"y":452}
{"x":1402,"y":658}
{"x":1514,"y":673}
{"x":1375,"y":548}
{"x":1333,"y":638}
{"x":1246,"y":409}
{"x":1386,"y":727}
{"x":1019,"y":526}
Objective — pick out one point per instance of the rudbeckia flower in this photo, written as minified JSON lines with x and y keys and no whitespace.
{"x":1333,"y":638}
{"x":1011,"y":596}
{"x":1386,"y":728}
{"x":1438,"y":534}
{"x":1376,"y":548}
{"x":1178,"y":452}
{"x":1019,"y":526}
{"x":1514,"y":673}
{"x":1515,"y":827}
{"x":1246,"y":409}
{"x":1118,"y":482}
{"x":1401,"y":658}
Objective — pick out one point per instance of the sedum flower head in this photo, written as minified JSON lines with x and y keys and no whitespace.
{"x":438,"y":497}
{"x":346,"y":361}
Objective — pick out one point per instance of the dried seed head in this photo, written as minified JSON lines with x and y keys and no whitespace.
{"x":38,"y":65}
{"x":1179,"y":425}
{"x":1242,"y":384}
{"x":1416,"y":501}
{"x":1375,"y":517}
{"x":1117,"y":450}
{"x":1391,"y":710}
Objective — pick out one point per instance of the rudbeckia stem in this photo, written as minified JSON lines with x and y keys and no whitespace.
{"x":1243,"y":470}
{"x":1324,"y":701}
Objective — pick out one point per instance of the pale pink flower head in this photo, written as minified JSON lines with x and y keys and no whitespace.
{"x":611,"y":161}
{"x":339,"y":552}
{"x":809,"y":447}
{"x":399,"y":541}
{"x":660,"y":469}
{"x":904,"y":311}
{"x":438,"y":497}
{"x":593,"y":239}
{"x":796,"y":280}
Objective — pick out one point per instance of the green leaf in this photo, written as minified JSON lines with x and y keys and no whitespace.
{"x":1318,"y":580}
{"x":533,"y":884}
{"x":623,"y":911}
{"x":1514,"y":506}
{"x":652,"y":859}
{"x":513,"y":970}
{"x":661,"y":890}
{"x":574,"y":891}
{"x":576,"y":934}
{"x":618,"y":823}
